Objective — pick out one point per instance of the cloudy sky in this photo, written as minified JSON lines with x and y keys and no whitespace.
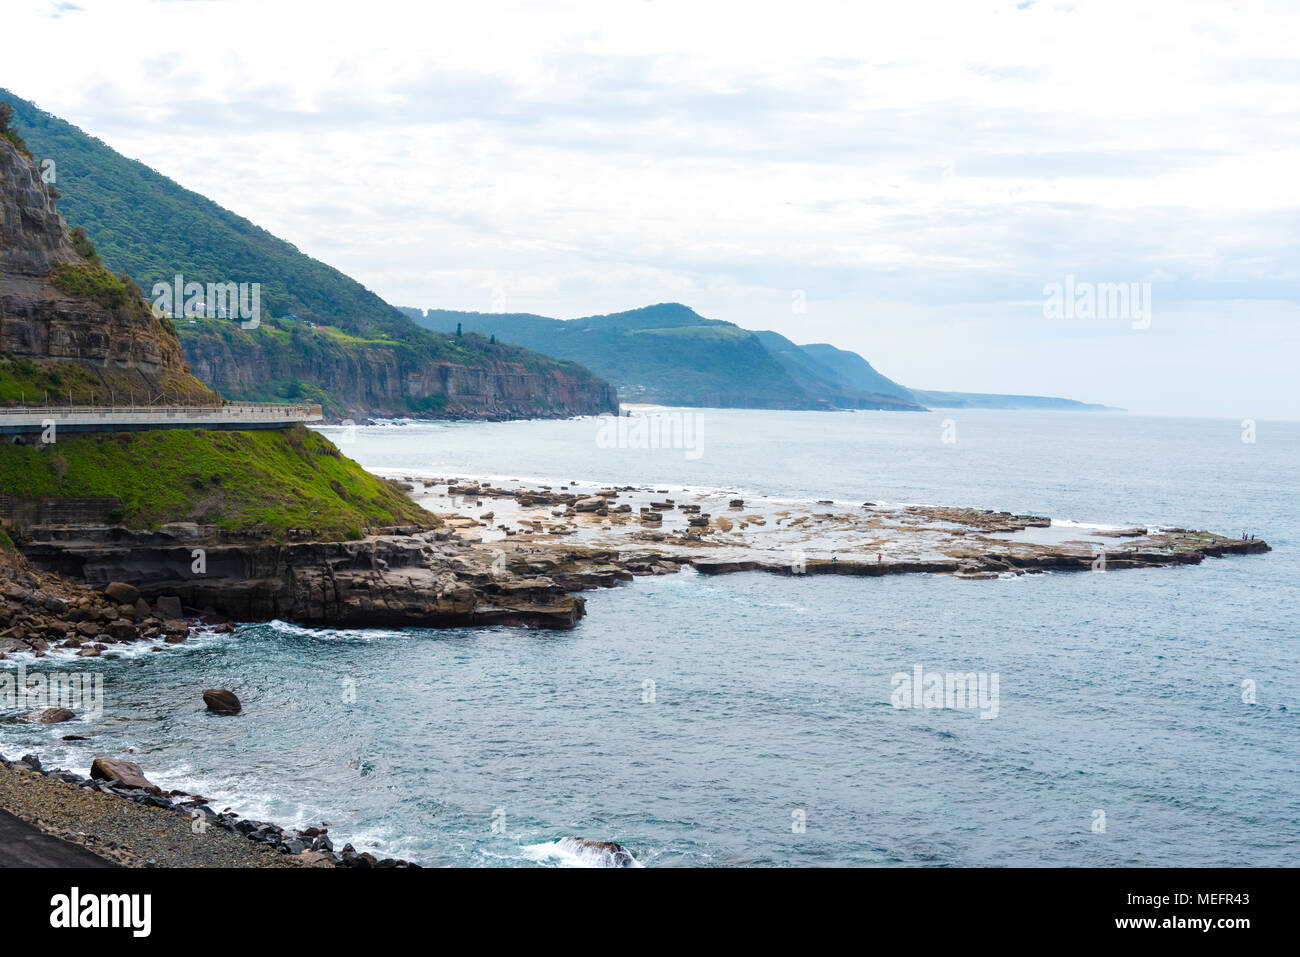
{"x":900,"y":179}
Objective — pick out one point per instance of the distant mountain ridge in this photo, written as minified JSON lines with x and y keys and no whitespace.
{"x":669,"y":354}
{"x":333,"y":341}
{"x":842,"y":378}
{"x":990,"y":400}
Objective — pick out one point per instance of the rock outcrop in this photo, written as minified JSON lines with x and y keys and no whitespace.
{"x":413,"y":578}
{"x":58,"y":305}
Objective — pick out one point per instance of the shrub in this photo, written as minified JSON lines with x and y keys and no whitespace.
{"x":84,"y":247}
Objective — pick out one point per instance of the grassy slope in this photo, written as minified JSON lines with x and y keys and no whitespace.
{"x":265,"y":481}
{"x":22,"y":380}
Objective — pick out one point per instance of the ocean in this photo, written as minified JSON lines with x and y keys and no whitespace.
{"x":1144,"y":717}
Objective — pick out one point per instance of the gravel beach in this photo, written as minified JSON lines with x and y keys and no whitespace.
{"x":125,"y":832}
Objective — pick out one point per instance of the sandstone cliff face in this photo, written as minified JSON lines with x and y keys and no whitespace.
{"x":412,"y":578}
{"x":378,"y":379}
{"x":46,"y":318}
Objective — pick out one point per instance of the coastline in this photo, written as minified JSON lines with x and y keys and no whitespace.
{"x":583,"y":535}
{"x":507,"y":551}
{"x":133,"y":827}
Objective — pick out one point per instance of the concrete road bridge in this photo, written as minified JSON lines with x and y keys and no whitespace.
{"x":19,"y":421}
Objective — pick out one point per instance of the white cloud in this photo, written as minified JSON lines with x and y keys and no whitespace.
{"x":921,"y":170}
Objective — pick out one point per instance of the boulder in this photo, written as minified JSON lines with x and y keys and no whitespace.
{"x":55,"y":716}
{"x":8,"y":643}
{"x":593,"y":504}
{"x":169,"y":607}
{"x":220,"y":701}
{"x":127,"y":773}
{"x":317,"y":858}
{"x":121,"y":631}
{"x":122,"y":593}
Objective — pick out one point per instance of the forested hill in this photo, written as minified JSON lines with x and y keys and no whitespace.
{"x":152,"y":228}
{"x":323,"y":336}
{"x":667,"y":353}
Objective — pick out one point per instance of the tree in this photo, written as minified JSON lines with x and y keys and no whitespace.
{"x":492,"y":339}
{"x":6,"y":114}
{"x":458,"y":330}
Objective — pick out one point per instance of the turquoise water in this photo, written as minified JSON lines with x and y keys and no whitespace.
{"x":1119,"y":693}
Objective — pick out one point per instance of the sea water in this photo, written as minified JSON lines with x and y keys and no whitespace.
{"x":1143,"y":717}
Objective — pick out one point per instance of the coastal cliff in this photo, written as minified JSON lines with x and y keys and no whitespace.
{"x":383,"y":376}
{"x":69,"y":327}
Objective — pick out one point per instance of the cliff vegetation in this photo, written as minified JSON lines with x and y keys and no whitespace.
{"x":269,"y":482}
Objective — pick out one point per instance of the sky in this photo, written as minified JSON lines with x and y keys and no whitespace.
{"x":911,"y":181}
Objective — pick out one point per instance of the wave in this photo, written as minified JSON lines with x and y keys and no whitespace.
{"x":575,"y":852}
{"x":331,"y":634}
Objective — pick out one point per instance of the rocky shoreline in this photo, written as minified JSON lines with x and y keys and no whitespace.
{"x":142,"y":826}
{"x":512,"y":554}
{"x":517,"y":555}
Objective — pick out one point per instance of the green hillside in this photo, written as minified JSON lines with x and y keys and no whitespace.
{"x":854,"y":371}
{"x":153,"y":228}
{"x":664,"y":353}
{"x":348,"y":344}
{"x":263,"y":481}
{"x":841,"y":379}
{"x":669,"y":354}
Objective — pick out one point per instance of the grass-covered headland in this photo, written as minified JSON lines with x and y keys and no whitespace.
{"x":267,"y":482}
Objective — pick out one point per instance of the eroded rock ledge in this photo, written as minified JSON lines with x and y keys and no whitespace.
{"x":519,"y":555}
{"x":403,"y":578}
